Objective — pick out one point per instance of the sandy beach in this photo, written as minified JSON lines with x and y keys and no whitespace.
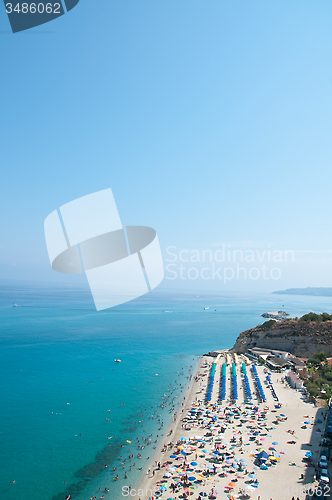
{"x":213,"y":448}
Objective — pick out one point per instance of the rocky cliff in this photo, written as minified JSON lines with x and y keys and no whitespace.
{"x":301,"y":337}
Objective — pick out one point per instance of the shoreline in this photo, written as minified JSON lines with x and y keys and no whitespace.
{"x":293,"y":406}
{"x":143,"y":483}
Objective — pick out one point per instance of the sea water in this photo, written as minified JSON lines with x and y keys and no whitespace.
{"x":63,"y":396}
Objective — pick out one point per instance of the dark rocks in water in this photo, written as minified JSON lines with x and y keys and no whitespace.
{"x":73,"y":489}
{"x":105,"y":457}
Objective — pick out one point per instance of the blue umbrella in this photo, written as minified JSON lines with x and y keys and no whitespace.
{"x":263,"y":455}
{"x":191,"y":478}
{"x":193,"y":463}
{"x":173,"y":456}
{"x":183,"y":453}
{"x":275,"y":443}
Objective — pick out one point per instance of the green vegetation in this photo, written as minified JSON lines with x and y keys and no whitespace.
{"x":267,"y":324}
{"x":316,"y":317}
{"x":319,"y":376}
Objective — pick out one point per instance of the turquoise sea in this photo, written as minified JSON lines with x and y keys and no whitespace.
{"x":56,"y":349}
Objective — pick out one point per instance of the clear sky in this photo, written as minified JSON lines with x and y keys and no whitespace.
{"x":210,"y":120}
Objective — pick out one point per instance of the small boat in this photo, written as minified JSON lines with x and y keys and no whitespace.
{"x":117,"y":360}
{"x":206,"y":308}
{"x":16,"y":305}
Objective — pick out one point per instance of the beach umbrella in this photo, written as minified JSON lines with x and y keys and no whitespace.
{"x":275,"y":443}
{"x":168,"y":474}
{"x":173,"y":456}
{"x":193,"y":463}
{"x":231,"y":485}
{"x":263,"y":455}
{"x":191,"y":478}
{"x":252,"y":476}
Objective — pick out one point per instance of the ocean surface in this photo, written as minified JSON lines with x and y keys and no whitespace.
{"x":62,"y":396}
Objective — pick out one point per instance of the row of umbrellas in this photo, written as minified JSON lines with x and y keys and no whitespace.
{"x":269,"y":381}
{"x":223,"y":382}
{"x":234,"y":379}
{"x":211,"y":382}
{"x":246,"y":381}
{"x":258,"y":383}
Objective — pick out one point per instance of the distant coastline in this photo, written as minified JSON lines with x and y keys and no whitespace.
{"x":318,"y":292}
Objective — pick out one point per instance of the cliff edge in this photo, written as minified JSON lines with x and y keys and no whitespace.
{"x":301,"y":337}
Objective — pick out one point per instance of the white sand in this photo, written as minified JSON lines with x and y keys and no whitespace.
{"x":280,"y":481}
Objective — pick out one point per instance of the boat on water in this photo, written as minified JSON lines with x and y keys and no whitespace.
{"x":16,"y":305}
{"x":117,"y":360}
{"x":206,"y":308}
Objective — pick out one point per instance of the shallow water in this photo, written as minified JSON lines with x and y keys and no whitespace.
{"x":56,"y":349}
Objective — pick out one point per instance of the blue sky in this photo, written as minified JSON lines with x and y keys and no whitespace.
{"x":210,"y":120}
